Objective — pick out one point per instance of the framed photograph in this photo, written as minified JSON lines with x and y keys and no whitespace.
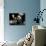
{"x":17,"y":18}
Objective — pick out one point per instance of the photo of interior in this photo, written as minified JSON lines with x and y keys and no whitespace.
{"x":22,"y":22}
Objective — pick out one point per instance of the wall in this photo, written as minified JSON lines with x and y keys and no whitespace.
{"x":1,"y":21}
{"x":43,"y":6}
{"x":30,"y":7}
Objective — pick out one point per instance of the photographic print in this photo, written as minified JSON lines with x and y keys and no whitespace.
{"x":17,"y":18}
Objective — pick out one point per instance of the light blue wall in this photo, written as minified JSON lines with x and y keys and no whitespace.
{"x":30,"y":7}
{"x":43,"y":6}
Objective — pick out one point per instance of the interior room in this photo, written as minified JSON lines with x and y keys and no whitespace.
{"x":23,"y":23}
